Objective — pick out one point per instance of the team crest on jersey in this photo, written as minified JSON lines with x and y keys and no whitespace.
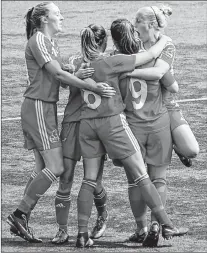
{"x":54,"y":137}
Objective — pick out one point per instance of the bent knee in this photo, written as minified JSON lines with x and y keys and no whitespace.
{"x":193,"y":152}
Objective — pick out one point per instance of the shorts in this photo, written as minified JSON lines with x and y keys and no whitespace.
{"x":110,"y":135}
{"x":39,"y":125}
{"x":176,"y":119}
{"x":70,"y":140}
{"x":156,"y":147}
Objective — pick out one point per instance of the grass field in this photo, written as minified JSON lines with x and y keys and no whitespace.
{"x":187,"y":191}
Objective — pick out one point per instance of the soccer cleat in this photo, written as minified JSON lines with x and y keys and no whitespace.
{"x":61,"y":237}
{"x":100,"y":227}
{"x":84,"y":241}
{"x":184,"y":160}
{"x":153,"y":236}
{"x":168,"y":232}
{"x":19,"y":227}
{"x":136,"y":237}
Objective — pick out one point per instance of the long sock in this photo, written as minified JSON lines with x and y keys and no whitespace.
{"x":32,"y":176}
{"x":160,"y":185}
{"x":100,"y":200}
{"x":139,"y":209}
{"x":85,"y":203}
{"x":36,"y":189}
{"x":62,"y":206}
{"x":151,"y":197}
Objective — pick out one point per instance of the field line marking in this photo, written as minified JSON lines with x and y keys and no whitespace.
{"x":61,"y":113}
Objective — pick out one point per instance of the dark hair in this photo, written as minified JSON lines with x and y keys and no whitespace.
{"x":92,"y":38}
{"x":123,"y":35}
{"x":33,"y":18}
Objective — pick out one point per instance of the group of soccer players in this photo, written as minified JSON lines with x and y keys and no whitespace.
{"x":131,"y":117}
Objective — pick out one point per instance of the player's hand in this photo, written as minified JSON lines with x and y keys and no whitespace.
{"x":162,"y":36}
{"x":101,"y":88}
{"x":69,"y":68}
{"x":84,"y":73}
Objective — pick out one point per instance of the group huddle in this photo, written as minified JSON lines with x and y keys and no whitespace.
{"x":120,"y":104}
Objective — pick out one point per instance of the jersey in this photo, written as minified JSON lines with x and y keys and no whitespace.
{"x":143,"y":99}
{"x":108,"y":70}
{"x":75,"y":102}
{"x":42,"y":85}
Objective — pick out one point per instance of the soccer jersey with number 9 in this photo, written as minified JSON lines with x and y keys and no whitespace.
{"x":143,"y":99}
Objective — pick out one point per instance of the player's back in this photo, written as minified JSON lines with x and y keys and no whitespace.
{"x":108,"y":70}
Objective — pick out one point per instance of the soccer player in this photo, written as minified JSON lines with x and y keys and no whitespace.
{"x":148,"y":117}
{"x":39,"y":109}
{"x":71,"y":154}
{"x":185,"y":144}
{"x":103,"y":128}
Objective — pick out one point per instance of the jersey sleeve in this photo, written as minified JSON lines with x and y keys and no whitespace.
{"x":41,"y":49}
{"x":168,"y":53}
{"x":122,"y":63}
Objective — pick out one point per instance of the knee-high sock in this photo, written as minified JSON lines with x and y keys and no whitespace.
{"x":100,"y":200}
{"x":160,"y":185}
{"x":62,"y":206}
{"x":152,"y":199}
{"x":85,"y":203}
{"x":139,"y":208}
{"x":33,"y":175}
{"x":36,"y":189}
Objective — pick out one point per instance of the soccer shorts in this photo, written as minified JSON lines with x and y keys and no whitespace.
{"x":156,"y":147}
{"x":176,"y":119}
{"x":110,"y":135}
{"x":40,"y":125}
{"x":70,"y":140}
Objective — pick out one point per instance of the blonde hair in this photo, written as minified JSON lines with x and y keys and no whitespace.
{"x":155,"y":14}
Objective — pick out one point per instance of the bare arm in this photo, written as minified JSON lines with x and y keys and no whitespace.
{"x":54,"y":68}
{"x":153,"y":52}
{"x":153,"y":73}
{"x":169,"y":82}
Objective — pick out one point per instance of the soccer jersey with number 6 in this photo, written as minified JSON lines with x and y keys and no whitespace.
{"x":107,"y":69}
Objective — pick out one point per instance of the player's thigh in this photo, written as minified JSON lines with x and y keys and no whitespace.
{"x":185,"y":141}
{"x":70,"y":140}
{"x":117,"y":137}
{"x":90,"y":143}
{"x":39,"y":161}
{"x":134,"y":166}
{"x":91,"y":167}
{"x":159,"y":147}
{"x":53,"y":159}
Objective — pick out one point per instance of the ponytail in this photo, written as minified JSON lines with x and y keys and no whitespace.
{"x":29,"y":24}
{"x":92,"y":38}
